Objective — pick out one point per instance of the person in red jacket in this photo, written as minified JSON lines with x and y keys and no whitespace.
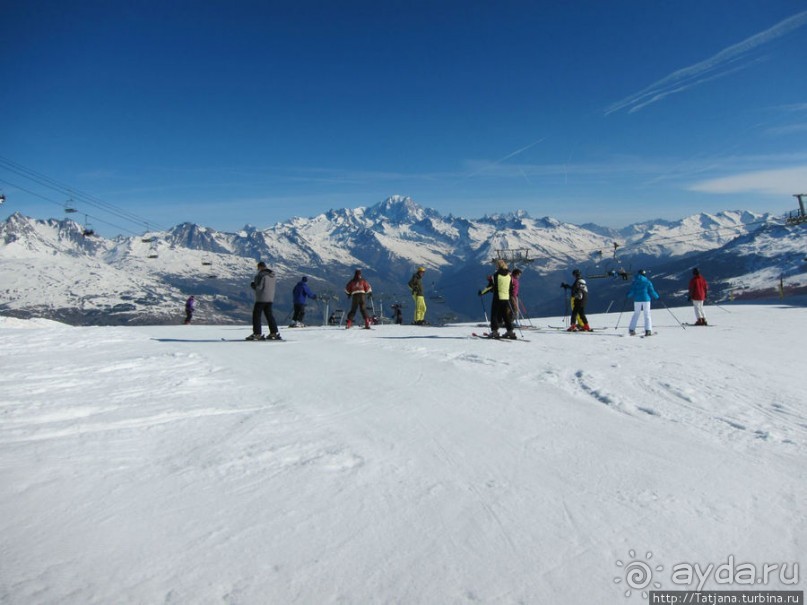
{"x":697,"y":294}
{"x":357,"y":289}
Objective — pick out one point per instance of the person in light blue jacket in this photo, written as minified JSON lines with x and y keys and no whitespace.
{"x":642,"y":291}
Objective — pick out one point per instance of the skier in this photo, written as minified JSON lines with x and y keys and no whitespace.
{"x":698,"y":289}
{"x":416,"y":287}
{"x":500,"y":284}
{"x":357,"y":289}
{"x":397,"y":314}
{"x":264,"y":284}
{"x":300,"y":293}
{"x":190,"y":306}
{"x":641,"y":291}
{"x":515,"y":278}
{"x":579,"y":300}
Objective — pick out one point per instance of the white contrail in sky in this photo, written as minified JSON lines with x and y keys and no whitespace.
{"x":504,"y":159}
{"x":708,"y":69}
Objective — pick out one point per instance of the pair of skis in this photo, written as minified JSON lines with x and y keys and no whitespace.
{"x":488,"y":336}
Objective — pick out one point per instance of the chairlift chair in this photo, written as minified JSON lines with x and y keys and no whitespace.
{"x":70,"y":207}
{"x":88,"y":230}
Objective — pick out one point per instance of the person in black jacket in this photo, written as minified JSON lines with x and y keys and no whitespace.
{"x":579,"y":300}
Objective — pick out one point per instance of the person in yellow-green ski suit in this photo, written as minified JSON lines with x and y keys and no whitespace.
{"x":416,"y":287}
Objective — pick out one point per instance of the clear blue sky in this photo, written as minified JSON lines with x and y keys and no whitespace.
{"x":230,"y":112}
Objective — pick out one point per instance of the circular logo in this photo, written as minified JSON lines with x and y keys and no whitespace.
{"x":638,"y":574}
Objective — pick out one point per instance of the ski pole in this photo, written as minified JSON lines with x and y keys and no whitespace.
{"x":720,"y":307}
{"x":510,"y":304}
{"x":671,"y":313}
{"x":484,"y":312}
{"x":621,"y":311}
{"x":611,"y":304}
{"x":565,"y":307}
{"x":525,"y":315}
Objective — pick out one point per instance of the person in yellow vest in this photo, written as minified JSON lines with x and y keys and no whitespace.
{"x":416,"y":287}
{"x":500,"y":283}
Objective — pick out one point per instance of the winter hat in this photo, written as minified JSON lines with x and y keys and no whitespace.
{"x":516,"y":271}
{"x":421,"y":269}
{"x":642,"y":272}
{"x":695,"y":271}
{"x":305,"y":278}
{"x":261,"y":265}
{"x":576,"y":272}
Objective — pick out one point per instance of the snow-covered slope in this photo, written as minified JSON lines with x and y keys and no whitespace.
{"x":50,"y":268}
{"x":400,"y":465}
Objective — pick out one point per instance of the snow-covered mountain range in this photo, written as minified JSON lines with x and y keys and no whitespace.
{"x":51,"y":269}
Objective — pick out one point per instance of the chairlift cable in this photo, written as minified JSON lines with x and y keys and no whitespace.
{"x":87,"y":198}
{"x":61,"y":205}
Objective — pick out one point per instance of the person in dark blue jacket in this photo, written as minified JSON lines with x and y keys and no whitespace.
{"x":642,"y":291}
{"x":300,"y":294}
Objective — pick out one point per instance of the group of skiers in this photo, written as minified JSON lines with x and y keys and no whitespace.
{"x":505,"y":306}
{"x":642,"y":292}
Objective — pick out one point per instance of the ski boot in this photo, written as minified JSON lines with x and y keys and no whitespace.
{"x":586,"y":328}
{"x":648,"y":333}
{"x":631,"y":332}
{"x":254,"y":337}
{"x":274,"y":336}
{"x":572,"y":328}
{"x":510,"y":334}
{"x":349,"y":324}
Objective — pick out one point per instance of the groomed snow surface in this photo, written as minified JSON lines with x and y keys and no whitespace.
{"x":405,"y":464}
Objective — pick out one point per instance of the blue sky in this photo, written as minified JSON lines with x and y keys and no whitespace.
{"x":228,"y":113}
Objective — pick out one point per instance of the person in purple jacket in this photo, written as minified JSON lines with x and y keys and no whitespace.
{"x":515,"y":306}
{"x":641,"y":291}
{"x":300,"y":295}
{"x":190,"y":306}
